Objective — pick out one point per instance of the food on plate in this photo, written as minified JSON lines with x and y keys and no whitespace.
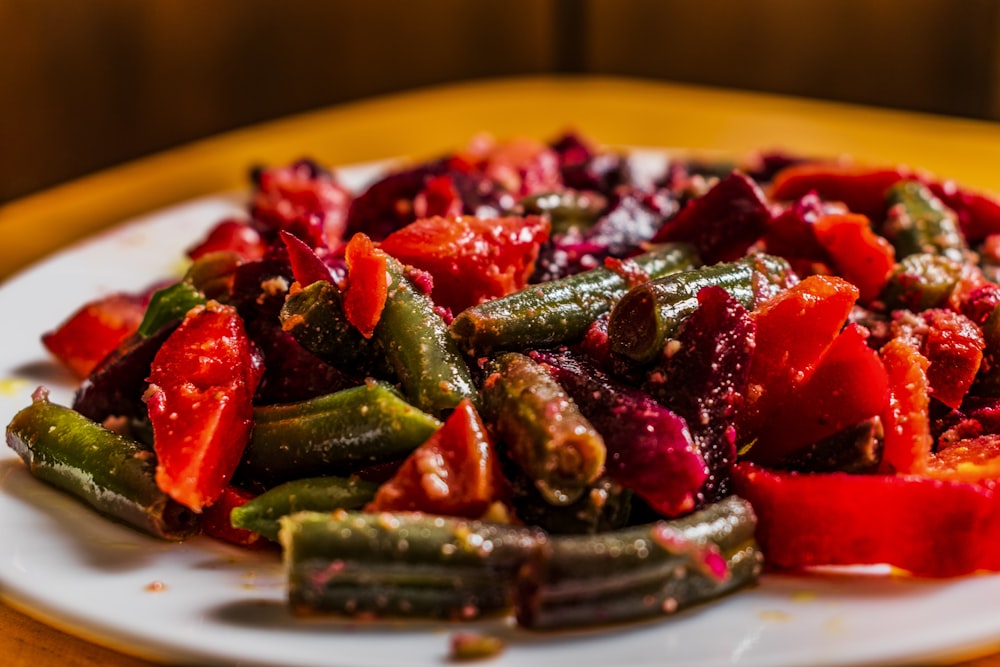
{"x":536,"y":379}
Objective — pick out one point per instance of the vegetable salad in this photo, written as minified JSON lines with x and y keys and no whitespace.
{"x":530,"y":378}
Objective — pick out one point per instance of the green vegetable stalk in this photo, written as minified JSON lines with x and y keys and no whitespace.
{"x":642,"y":571}
{"x":109,"y":472}
{"x":408,"y":564}
{"x":542,"y":428}
{"x":335,"y":434}
{"x":558,"y":311}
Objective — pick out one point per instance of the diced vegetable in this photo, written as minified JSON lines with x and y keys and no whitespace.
{"x":113,"y":474}
{"x":202,"y":383}
{"x":558,"y":311}
{"x":650,"y":570}
{"x":334,"y":434}
{"x":261,"y":514}
{"x":407,"y":564}
{"x":541,"y":428}
{"x":502,"y":381}
{"x":471,"y":259}
{"x":94,"y":331}
{"x":455,"y":472}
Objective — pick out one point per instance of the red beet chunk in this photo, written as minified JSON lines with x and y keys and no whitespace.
{"x":724,"y":222}
{"x":650,"y":449}
{"x":704,"y":379}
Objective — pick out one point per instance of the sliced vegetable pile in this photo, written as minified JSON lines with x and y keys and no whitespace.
{"x":533,"y":378}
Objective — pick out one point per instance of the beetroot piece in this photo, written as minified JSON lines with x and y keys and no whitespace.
{"x":724,"y":223}
{"x":307,"y":266}
{"x":115,"y":387}
{"x":650,"y":449}
{"x":259,"y":288}
{"x":387,"y":204}
{"x":704,"y":379}
{"x":291,"y":373}
{"x":632,"y":218}
{"x":303,"y":199}
{"x":583,"y":168}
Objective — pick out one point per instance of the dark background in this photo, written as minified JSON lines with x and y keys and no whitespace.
{"x":87,"y":84}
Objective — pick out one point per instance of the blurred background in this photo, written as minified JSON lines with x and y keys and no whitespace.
{"x":87,"y":84}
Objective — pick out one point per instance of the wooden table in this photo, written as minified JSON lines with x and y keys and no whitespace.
{"x":428,"y":122}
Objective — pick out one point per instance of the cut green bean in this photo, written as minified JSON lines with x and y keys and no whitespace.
{"x":317,"y":494}
{"x":113,"y":474}
{"x":921,"y":281}
{"x":650,"y":313}
{"x":409,"y":564}
{"x":558,"y":311}
{"x":431,"y":369}
{"x":568,"y":209}
{"x":642,"y":571}
{"x":314,"y":316}
{"x":918,"y":222}
{"x":168,"y":305}
{"x":335,"y":434}
{"x":543,"y":430}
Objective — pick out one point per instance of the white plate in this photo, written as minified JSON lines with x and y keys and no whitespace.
{"x":203,"y":602}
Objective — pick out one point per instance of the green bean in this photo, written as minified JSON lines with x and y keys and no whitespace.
{"x":318,"y":494}
{"x":168,"y":305}
{"x":113,"y":474}
{"x":314,"y":316}
{"x":558,"y":311}
{"x":921,"y":281}
{"x":642,"y":571}
{"x":568,"y":209}
{"x":650,"y":313}
{"x":918,"y":222}
{"x":543,"y":430}
{"x":433,"y":374}
{"x":335,"y":434}
{"x":407,"y":564}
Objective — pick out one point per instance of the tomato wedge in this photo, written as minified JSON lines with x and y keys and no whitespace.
{"x":454,"y":473}
{"x":857,"y":253}
{"x":471,"y":259}
{"x":928,"y":527}
{"x":94,"y":331}
{"x":367,"y":284}
{"x":907,"y":441}
{"x":794,"y":330}
{"x":202,"y":383}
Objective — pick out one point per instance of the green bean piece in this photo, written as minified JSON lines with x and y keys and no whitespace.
{"x":213,"y":274}
{"x":168,"y":305}
{"x":642,"y":571}
{"x":315,"y":318}
{"x":650,"y":313}
{"x":113,"y":474}
{"x":558,"y":311}
{"x":431,"y":369}
{"x":317,"y":494}
{"x":407,"y":564}
{"x":542,"y":428}
{"x":918,"y":222}
{"x":921,"y":281}
{"x":568,"y":209}
{"x":335,"y":434}
{"x":604,"y":505}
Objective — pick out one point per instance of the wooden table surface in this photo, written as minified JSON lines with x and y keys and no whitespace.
{"x":428,"y":122}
